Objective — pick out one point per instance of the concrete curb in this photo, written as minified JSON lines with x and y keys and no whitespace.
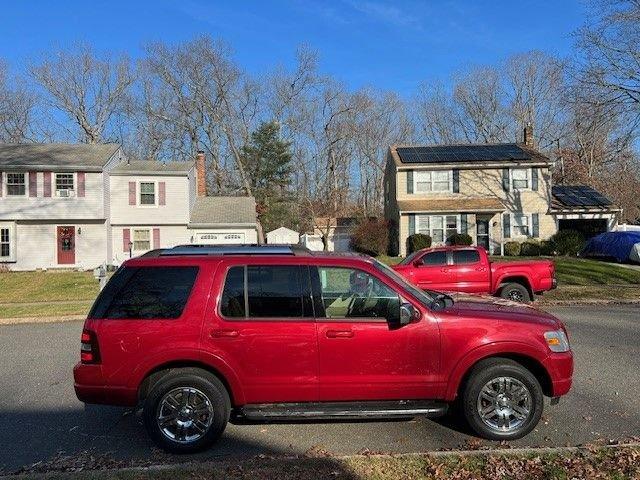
{"x":438,"y":453}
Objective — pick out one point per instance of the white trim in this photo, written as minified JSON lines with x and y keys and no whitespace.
{"x":133,"y":241}
{"x":156,"y":194}
{"x":5,"y":181}
{"x":431,"y":181}
{"x":54,"y":185}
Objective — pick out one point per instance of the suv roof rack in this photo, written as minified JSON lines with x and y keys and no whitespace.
{"x":251,"y":249}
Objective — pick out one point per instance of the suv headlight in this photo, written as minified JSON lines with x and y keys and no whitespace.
{"x":557,"y":341}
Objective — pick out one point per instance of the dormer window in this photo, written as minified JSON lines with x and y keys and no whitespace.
{"x":65,"y":185}
{"x":16,"y":185}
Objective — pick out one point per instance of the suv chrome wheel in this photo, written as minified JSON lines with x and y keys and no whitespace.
{"x":184,"y":414}
{"x":504,"y":404}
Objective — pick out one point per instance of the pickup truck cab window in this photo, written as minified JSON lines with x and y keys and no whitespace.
{"x":463,"y":257}
{"x":434,"y":258}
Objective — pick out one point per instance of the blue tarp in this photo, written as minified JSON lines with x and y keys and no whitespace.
{"x":618,"y":245}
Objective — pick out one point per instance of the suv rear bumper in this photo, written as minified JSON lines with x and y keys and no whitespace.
{"x":90,"y":387}
{"x":560,"y":369}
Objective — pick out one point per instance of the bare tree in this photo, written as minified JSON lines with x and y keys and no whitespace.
{"x":90,"y":90}
{"x":16,"y":110}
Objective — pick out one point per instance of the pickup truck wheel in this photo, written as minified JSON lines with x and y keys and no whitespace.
{"x":515,"y":292}
{"x":502,"y":400}
{"x":186,"y":411}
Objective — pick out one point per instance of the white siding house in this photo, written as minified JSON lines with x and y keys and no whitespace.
{"x":80,"y":206}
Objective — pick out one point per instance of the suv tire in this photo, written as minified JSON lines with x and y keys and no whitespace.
{"x":502,"y":400}
{"x":186,"y":410}
{"x":515,"y":292}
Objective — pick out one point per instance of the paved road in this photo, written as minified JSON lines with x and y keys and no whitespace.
{"x":40,"y":416}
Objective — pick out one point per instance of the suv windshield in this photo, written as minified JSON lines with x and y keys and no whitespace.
{"x":426,"y":297}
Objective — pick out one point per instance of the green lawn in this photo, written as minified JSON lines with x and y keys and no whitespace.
{"x":47,"y":286}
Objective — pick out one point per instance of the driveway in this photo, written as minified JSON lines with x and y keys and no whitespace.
{"x":40,"y":416}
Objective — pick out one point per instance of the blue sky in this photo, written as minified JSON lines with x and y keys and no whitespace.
{"x":382,"y":43}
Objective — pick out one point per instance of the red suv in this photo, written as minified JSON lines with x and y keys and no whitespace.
{"x":199,"y":336}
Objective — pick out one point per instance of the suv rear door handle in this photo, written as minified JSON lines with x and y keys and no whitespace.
{"x":225,"y":333}
{"x":339,"y":334}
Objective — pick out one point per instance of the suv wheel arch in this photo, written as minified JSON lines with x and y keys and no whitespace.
{"x":155,"y":375}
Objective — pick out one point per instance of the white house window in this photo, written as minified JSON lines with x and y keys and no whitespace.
{"x":520,"y":225}
{"x":142,"y":239}
{"x":520,"y":178}
{"x":5,"y":243}
{"x":16,"y":184}
{"x":438,"y":227}
{"x":147,"y":193}
{"x":64,"y":181}
{"x":432,"y":181}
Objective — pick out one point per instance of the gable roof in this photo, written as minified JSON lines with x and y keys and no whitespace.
{"x":142,"y":167}
{"x":568,"y":197}
{"x":217,"y":211}
{"x":405,"y":155}
{"x":49,"y":156}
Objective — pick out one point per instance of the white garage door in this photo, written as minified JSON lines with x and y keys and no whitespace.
{"x":220,"y":238}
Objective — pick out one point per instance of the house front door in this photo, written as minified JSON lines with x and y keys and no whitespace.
{"x":482,"y":233}
{"x":66,"y":245}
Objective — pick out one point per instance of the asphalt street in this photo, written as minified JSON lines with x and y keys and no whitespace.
{"x":40,"y":415}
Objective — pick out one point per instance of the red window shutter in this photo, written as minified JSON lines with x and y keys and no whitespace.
{"x":162,"y":193}
{"x":33,"y":184}
{"x":126,"y":239}
{"x":81,"y":184}
{"x":156,"y":238}
{"x":132,"y":193}
{"x":1,"y":184}
{"x":47,"y":184}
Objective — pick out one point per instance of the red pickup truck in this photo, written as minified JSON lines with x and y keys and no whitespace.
{"x":469,"y":270}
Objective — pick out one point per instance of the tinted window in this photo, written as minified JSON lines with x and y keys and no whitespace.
{"x":349,"y":293}
{"x":232,"y":303}
{"x":274,"y":291}
{"x":465,"y":256}
{"x":435,"y":258}
{"x":145,"y":293}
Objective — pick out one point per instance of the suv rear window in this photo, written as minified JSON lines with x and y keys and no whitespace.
{"x":145,"y":293}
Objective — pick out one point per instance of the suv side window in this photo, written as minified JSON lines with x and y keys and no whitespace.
{"x":435,"y":258}
{"x":462,"y":257}
{"x":351,"y":293}
{"x":267,"y":291}
{"x":146,"y":293}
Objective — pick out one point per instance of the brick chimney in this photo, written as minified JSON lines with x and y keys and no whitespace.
{"x":528,"y":136}
{"x":201,"y":177}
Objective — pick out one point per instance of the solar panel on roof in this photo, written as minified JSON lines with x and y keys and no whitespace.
{"x":579,"y":196}
{"x":462,"y":153}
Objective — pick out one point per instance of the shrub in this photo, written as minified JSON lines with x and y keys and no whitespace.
{"x":530,"y":248}
{"x":567,"y":242}
{"x":546,"y":248}
{"x":417,"y":241}
{"x":371,"y":236}
{"x":459,"y":239}
{"x":512,"y":249}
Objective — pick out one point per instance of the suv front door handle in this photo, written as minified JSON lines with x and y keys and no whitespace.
{"x":339,"y":334}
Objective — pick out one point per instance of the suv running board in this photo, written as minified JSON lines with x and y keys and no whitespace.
{"x":340,"y":410}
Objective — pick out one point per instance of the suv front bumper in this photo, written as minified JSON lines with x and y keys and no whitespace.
{"x":560,"y":369}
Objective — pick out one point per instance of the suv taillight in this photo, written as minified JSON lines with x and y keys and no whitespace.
{"x":89,"y":352}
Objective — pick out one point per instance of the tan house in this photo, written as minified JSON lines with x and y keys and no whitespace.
{"x":493,"y":192}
